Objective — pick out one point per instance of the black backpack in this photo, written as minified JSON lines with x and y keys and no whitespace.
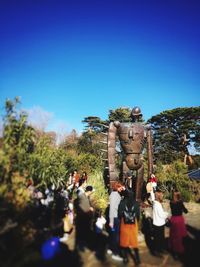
{"x":129,"y":215}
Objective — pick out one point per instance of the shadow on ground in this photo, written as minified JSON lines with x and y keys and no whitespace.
{"x":192,"y":248}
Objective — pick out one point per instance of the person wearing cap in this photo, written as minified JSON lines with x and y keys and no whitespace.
{"x":83,"y":218}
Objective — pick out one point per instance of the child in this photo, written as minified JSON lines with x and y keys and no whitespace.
{"x":100,"y":222}
{"x":101,"y":235}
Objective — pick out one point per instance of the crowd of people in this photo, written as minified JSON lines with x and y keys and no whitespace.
{"x":116,"y":231}
{"x":123,"y":222}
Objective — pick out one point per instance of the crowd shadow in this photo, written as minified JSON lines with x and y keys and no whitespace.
{"x":191,"y":242}
{"x":192,"y":247}
{"x":95,"y":242}
{"x":147,"y":230}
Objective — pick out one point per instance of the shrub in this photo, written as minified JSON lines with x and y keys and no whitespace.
{"x":100,"y":196}
{"x":174,"y":176}
{"x":186,"y":195}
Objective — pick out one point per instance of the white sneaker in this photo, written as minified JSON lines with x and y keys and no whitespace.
{"x":117,"y":258}
{"x":109,"y":251}
{"x":64,"y":238}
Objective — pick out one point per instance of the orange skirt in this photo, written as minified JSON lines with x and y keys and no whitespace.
{"x":128,"y":235}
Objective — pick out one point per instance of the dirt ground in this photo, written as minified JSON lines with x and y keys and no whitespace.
{"x":192,"y":244}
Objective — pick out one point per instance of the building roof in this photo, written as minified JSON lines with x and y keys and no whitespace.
{"x":195,"y":174}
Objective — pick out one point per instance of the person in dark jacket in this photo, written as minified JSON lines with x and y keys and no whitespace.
{"x":83,"y":218}
{"x":129,"y":215}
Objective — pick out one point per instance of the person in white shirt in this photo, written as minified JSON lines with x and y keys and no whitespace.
{"x":159,"y":220}
{"x":101,"y":237}
{"x":82,"y":185}
{"x":100,"y":223}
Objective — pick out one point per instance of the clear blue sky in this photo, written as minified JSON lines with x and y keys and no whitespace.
{"x":72,"y":59}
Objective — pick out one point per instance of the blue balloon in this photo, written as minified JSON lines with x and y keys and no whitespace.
{"x":50,"y":248}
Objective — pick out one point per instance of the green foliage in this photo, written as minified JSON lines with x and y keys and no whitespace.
{"x":18,"y":140}
{"x":47,"y":164}
{"x":196,"y":162}
{"x":94,"y":124}
{"x":100,"y":197}
{"x":122,"y":114}
{"x":89,"y":142}
{"x":83,"y":153}
{"x":195,"y":190}
{"x":169,"y":127}
{"x":173,"y":176}
{"x":18,"y":195}
{"x":186,"y":194}
{"x":71,"y":141}
{"x":88,"y":162}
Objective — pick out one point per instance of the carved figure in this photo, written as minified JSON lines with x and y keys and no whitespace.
{"x":132,"y":138}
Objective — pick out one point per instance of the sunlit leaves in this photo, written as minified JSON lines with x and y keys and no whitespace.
{"x":169,"y":127}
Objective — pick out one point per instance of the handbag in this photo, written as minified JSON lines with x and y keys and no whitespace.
{"x":167,"y":223}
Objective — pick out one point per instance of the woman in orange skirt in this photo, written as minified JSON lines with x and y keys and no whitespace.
{"x":129,"y":214}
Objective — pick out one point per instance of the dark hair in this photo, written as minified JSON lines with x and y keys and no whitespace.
{"x":81,"y":181}
{"x":129,"y":174}
{"x":98,"y":213}
{"x":88,"y":188}
{"x":159,"y":195}
{"x":176,"y":196}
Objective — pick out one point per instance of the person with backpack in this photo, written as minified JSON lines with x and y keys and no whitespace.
{"x":129,"y":215}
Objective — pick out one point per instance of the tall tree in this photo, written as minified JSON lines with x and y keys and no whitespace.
{"x":122,"y":114}
{"x":90,"y":142}
{"x":70,"y":142}
{"x":47,"y":163}
{"x":18,"y":139}
{"x":169,"y":129}
{"x":95,"y":124}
